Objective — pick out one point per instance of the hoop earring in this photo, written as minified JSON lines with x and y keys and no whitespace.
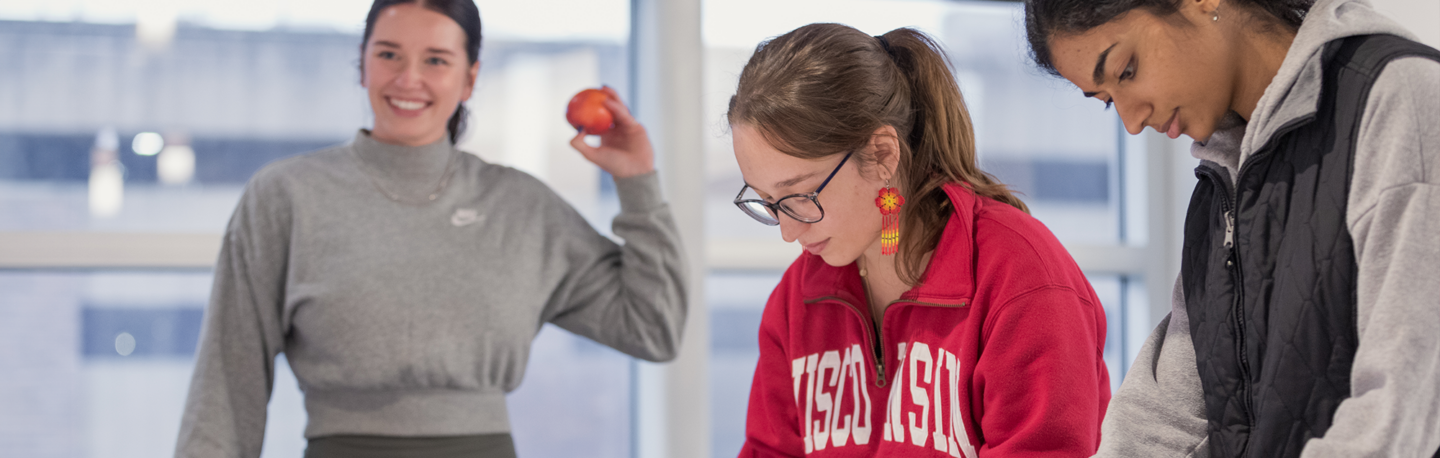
{"x":1215,"y":15}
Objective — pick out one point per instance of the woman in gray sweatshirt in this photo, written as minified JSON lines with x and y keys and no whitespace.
{"x":405,"y":280}
{"x":1305,"y":317}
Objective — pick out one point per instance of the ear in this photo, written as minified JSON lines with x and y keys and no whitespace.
{"x":1199,"y":11}
{"x":470,"y":76}
{"x":885,"y":143}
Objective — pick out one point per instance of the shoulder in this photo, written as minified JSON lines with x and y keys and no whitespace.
{"x":517,"y":185}
{"x":1015,"y":248}
{"x":1026,"y":273}
{"x":304,"y":166}
{"x":1412,"y":72}
{"x":1398,"y":143}
{"x":1022,"y":270}
{"x":498,"y":174}
{"x":282,"y":178}
{"x":280,"y":188}
{"x":514,"y":192}
{"x":1408,"y":87}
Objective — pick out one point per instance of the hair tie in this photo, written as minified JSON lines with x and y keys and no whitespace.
{"x":886,"y":45}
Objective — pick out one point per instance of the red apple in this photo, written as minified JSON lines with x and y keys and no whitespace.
{"x":587,"y":110}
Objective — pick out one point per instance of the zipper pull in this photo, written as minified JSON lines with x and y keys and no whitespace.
{"x":1230,"y":238}
{"x":1229,"y":229}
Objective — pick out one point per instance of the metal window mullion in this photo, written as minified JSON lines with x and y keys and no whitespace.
{"x":107,"y":250}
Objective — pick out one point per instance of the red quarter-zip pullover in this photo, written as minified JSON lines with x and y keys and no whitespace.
{"x":996,"y":353}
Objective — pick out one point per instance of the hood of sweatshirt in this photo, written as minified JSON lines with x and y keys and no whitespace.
{"x":1294,"y":94}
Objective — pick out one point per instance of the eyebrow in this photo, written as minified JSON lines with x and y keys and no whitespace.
{"x":392,"y":44}
{"x":1100,"y":65}
{"x":796,"y":180}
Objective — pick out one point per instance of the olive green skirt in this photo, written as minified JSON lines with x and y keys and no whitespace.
{"x":480,"y":446}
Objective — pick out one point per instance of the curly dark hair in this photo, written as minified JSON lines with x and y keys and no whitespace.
{"x":1045,"y":19}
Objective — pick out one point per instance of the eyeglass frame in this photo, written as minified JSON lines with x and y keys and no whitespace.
{"x":778,"y":209}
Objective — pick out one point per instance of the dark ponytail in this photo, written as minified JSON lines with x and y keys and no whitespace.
{"x":456,"y":125}
{"x":824,"y":89}
{"x":1045,"y":19}
{"x":464,"y":13}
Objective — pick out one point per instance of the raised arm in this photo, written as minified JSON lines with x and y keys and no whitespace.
{"x":630,"y":297}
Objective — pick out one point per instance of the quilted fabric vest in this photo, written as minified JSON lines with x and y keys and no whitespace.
{"x":1269,"y":270}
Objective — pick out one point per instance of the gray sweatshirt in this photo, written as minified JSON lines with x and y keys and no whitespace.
{"x":415,"y":320}
{"x":1393,"y":217}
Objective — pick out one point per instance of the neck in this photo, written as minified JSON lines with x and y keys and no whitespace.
{"x":1260,"y":55}
{"x":385,"y":137}
{"x":882,"y":281}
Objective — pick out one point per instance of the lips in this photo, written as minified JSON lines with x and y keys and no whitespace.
{"x":407,"y":107}
{"x":817,"y":247}
{"x":1172,"y":127}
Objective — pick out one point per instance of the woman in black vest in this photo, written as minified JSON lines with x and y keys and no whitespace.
{"x":1305,"y":317}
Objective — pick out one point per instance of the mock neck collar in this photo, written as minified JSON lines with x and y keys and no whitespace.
{"x":404,"y":170}
{"x":426,"y":159}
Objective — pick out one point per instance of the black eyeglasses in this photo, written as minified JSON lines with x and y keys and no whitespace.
{"x":804,"y":208}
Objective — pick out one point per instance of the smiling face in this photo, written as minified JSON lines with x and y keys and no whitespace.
{"x":416,"y":73}
{"x":852,"y":223}
{"x":1175,"y":74}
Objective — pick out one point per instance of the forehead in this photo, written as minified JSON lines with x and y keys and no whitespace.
{"x":1075,"y":54}
{"x":763,"y":165}
{"x":409,"y":24}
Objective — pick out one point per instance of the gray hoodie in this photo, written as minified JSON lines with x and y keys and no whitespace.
{"x":1393,"y":217}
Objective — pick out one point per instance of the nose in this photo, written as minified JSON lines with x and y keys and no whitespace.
{"x":1133,"y":114}
{"x":409,"y":75}
{"x":790,"y":229}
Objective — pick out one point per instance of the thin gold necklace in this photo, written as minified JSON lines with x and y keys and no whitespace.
{"x":439,"y":188}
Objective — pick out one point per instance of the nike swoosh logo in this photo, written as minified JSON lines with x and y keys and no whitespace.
{"x":465,"y":217}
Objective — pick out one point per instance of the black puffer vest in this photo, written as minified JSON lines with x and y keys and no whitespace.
{"x":1269,"y":270}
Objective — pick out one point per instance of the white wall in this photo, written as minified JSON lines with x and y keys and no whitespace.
{"x":1420,"y":16}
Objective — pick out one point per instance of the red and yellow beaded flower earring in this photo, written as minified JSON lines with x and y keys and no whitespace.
{"x":889,"y":202}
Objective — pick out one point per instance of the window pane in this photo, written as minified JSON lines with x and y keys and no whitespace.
{"x":110,"y":132}
{"x":1033,"y":131}
{"x":736,"y":299}
{"x":575,"y":401}
{"x":99,"y":363}
{"x":1109,"y":290}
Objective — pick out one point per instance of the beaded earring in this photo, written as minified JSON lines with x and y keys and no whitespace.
{"x":889,"y":201}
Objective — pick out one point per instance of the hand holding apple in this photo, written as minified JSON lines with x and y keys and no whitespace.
{"x":624,"y":149}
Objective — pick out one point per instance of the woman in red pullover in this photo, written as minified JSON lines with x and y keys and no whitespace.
{"x":931,"y":315}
